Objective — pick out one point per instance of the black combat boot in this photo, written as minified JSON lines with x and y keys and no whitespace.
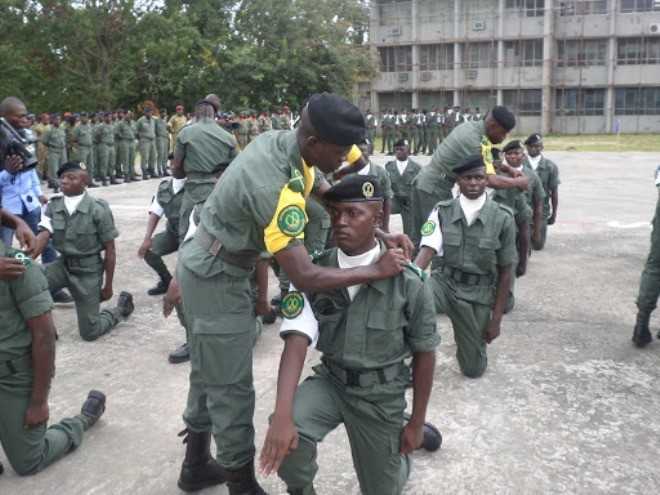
{"x":180,"y":355}
{"x":114,"y":181}
{"x":159,"y":288}
{"x":641,"y":334}
{"x":93,"y":407}
{"x":243,"y":482}
{"x":125,"y":304}
{"x":199,"y":470}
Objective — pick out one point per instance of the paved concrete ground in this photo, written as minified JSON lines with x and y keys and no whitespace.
{"x":567,"y":405}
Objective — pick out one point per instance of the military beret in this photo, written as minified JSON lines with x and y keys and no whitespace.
{"x":335,"y":119}
{"x":512,"y":145}
{"x":534,"y":139}
{"x":83,"y":114}
{"x":69,"y":166}
{"x":469,"y":164}
{"x":355,"y":188}
{"x":504,"y":117}
{"x":401,"y":142}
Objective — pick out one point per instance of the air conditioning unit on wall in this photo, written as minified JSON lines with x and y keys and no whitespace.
{"x":425,"y":76}
{"x":654,"y":28}
{"x":396,"y":31}
{"x":478,"y":25}
{"x":403,"y":77}
{"x":471,"y":74}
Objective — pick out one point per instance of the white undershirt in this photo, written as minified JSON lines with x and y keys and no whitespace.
{"x":345,"y":261}
{"x":72,"y":202}
{"x":365,"y":170}
{"x":471,"y":207}
{"x":401,"y":166}
{"x":534,"y":161}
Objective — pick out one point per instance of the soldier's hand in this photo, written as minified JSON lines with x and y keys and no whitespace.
{"x":493,"y":331}
{"x":401,"y":241}
{"x":27,"y":239}
{"x":552,"y":220}
{"x":391,"y":263}
{"x":144,"y":247}
{"x":106,"y":293}
{"x":172,"y":298}
{"x":521,"y":269}
{"x":36,"y":415}
{"x":10,"y":268}
{"x":263,"y":307}
{"x":281,"y":439}
{"x":412,"y":437}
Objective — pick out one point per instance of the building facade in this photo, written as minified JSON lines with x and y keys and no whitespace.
{"x":571,"y":66}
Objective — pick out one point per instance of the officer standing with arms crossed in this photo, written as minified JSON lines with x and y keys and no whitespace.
{"x":27,"y":366}
{"x":259,"y":205}
{"x":435,"y":182}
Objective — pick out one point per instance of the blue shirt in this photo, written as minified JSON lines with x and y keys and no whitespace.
{"x":20,"y":190}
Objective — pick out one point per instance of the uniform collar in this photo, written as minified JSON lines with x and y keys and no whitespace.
{"x":483,"y":215}
{"x":379,"y":285}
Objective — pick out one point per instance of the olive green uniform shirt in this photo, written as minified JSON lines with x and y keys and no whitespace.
{"x":54,"y":138}
{"x":105,"y":134}
{"x":83,"y":135}
{"x":146,"y":128}
{"x":124,"y":131}
{"x":171,"y":204}
{"x":20,"y":300}
{"x":548,"y":174}
{"x":401,"y":183}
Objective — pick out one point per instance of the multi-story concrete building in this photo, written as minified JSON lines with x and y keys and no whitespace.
{"x":570,"y":66}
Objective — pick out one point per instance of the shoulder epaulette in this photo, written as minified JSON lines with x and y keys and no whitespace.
{"x":506,"y":208}
{"x":56,"y":196}
{"x":446,"y":202}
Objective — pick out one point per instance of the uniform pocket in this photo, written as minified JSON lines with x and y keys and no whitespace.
{"x":451,"y":245}
{"x":385,"y":333}
{"x":486,"y":259}
{"x":87,"y":237}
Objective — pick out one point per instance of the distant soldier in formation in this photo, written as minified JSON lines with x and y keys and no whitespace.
{"x":146,"y":134}
{"x":402,"y":171}
{"x":265,"y":123}
{"x":175,"y":124}
{"x":126,"y":141}
{"x":83,"y":141}
{"x":162,"y":144}
{"x":40,"y":129}
{"x":55,"y":141}
{"x":105,"y":144}
{"x":372,"y":125}
{"x":389,"y":131}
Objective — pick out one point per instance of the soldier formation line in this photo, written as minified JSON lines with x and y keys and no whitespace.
{"x":307,"y":201}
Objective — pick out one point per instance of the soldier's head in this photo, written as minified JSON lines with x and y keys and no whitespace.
{"x":355,"y":205}
{"x":107,"y":117}
{"x":471,"y":177}
{"x":499,"y":123}
{"x":148,"y":111}
{"x":44,"y":118}
{"x":120,"y":114}
{"x":513,"y":153}
{"x":179,"y":110}
{"x":84,"y":118}
{"x":129,"y":115}
{"x":205,"y":109}
{"x":401,"y":150}
{"x":73,"y":178}
{"x":215,"y":101}
{"x":55,"y":119}
{"x":14,"y":111}
{"x":329,"y":126}
{"x":534,"y":145}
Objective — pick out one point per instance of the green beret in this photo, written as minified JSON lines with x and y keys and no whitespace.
{"x":355,"y":188}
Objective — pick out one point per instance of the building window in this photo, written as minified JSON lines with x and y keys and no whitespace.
{"x":639,"y":5}
{"x":580,"y":101}
{"x":477,"y":55}
{"x":395,"y":58}
{"x":394,"y":12}
{"x":523,"y":53}
{"x":634,"y":51}
{"x":436,"y":57}
{"x":433,"y":11}
{"x":637,"y":101}
{"x":581,"y":53}
{"x":531,"y":8}
{"x":523,"y":101}
{"x":582,"y":7}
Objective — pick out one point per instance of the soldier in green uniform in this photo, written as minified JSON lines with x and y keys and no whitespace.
{"x":243,"y":130}
{"x":516,"y":201}
{"x":372,"y":125}
{"x":364,"y":333}
{"x":434,"y":124}
{"x":81,"y":228}
{"x":55,"y":141}
{"x":105,"y":145}
{"x":146,"y":134}
{"x":548,"y":174}
{"x":535,"y":194}
{"x":402,"y":172}
{"x":265,"y":123}
{"x":125,"y":144}
{"x":27,"y":365}
{"x":388,"y":133}
{"x":69,"y":124}
{"x":162,"y":145}
{"x":476,"y":238}
{"x":275,"y":121}
{"x":259,"y":205}
{"x":285,"y":118}
{"x":167,"y":203}
{"x":253,"y":128}
{"x":202,"y":152}
{"x":83,"y":140}
{"x":649,"y":285}
{"x":435,"y":182}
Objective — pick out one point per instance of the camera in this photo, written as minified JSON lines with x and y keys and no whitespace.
{"x":16,"y":145}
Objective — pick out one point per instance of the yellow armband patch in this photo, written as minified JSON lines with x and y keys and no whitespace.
{"x":487,"y":155}
{"x":354,"y":155}
{"x":288,"y":222}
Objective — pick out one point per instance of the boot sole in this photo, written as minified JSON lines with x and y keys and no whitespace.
{"x":195,"y":487}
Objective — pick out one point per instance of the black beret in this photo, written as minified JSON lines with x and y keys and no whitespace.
{"x":512,"y":145}
{"x":504,"y":117}
{"x":401,"y":142}
{"x":69,"y":166}
{"x":83,"y":114}
{"x":534,"y":139}
{"x":354,"y":188}
{"x":336,"y":120}
{"x":470,"y":163}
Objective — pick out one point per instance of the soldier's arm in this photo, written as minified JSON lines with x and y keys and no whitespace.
{"x":431,"y":242}
{"x":523,"y":247}
{"x":500,"y":182}
{"x":109,"y":262}
{"x":261,"y":272}
{"x":554,"y":200}
{"x":501,"y":295}
{"x":24,"y":234}
{"x":537,"y":200}
{"x":42,"y":330}
{"x":176,"y":164}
